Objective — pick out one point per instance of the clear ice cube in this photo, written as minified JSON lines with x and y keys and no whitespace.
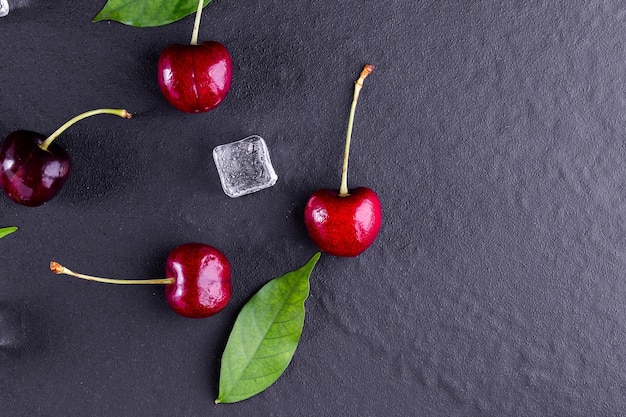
{"x":244,"y":166}
{"x":4,"y":8}
{"x":15,"y":4}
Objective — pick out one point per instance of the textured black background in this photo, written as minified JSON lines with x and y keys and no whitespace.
{"x":493,"y":132}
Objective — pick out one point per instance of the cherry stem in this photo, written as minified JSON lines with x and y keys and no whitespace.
{"x":367,"y":70}
{"x":196,"y":24}
{"x":117,"y":112}
{"x":60,"y":269}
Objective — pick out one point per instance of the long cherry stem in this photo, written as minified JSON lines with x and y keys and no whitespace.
{"x":117,"y":112}
{"x":60,"y":269}
{"x":196,"y":24}
{"x":343,"y":189}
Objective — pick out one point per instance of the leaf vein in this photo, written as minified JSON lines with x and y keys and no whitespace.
{"x":281,"y":336}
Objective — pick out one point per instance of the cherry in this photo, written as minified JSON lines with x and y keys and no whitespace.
{"x":344,"y":223}
{"x":195,"y":78}
{"x":202,"y":284}
{"x":198,"y":283}
{"x":32,"y":168}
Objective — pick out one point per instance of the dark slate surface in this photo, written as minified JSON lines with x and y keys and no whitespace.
{"x":493,"y":132}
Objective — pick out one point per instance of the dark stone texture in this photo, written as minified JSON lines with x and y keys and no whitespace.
{"x":494,"y":133}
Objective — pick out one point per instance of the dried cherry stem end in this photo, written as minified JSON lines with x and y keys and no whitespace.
{"x":343,"y":189}
{"x":61,"y":270}
{"x":116,"y":112}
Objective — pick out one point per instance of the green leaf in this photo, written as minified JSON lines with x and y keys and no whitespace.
{"x":147,"y":13}
{"x":7,"y":231}
{"x":265,"y":336}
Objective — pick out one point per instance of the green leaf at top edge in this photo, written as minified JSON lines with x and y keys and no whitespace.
{"x":7,"y":231}
{"x":147,"y":13}
{"x":265,"y":336}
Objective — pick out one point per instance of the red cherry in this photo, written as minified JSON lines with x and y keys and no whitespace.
{"x":198,"y":282}
{"x":195,"y":78}
{"x":343,"y":225}
{"x":33,"y":169}
{"x":29,"y":175}
{"x":202,"y":284}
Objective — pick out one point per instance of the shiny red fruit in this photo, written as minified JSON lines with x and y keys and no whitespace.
{"x":30,"y":175}
{"x":195,"y":78}
{"x":202,"y":283}
{"x":343,"y":225}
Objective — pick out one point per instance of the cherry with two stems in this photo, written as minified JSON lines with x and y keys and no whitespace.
{"x":344,"y":222}
{"x":198,"y":282}
{"x":195,"y":78}
{"x":33,"y":169}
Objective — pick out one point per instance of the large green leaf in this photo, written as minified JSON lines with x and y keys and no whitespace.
{"x":265,"y":336}
{"x":147,"y":13}
{"x":7,"y":231}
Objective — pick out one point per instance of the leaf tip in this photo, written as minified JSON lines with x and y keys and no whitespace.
{"x":313,"y":260}
{"x":7,"y":231}
{"x":98,"y":17}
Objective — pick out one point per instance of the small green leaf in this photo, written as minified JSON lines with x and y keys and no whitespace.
{"x":147,"y":13}
{"x":265,"y":336}
{"x":7,"y":231}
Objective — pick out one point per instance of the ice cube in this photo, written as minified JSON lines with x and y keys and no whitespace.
{"x":15,"y":4}
{"x":244,"y":166}
{"x":4,"y":8}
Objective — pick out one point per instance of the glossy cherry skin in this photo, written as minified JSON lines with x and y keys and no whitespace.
{"x":202,"y":283}
{"x":343,"y":226}
{"x":30,"y":175}
{"x":195,"y":78}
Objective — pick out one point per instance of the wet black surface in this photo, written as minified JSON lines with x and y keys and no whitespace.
{"x":493,"y":132}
